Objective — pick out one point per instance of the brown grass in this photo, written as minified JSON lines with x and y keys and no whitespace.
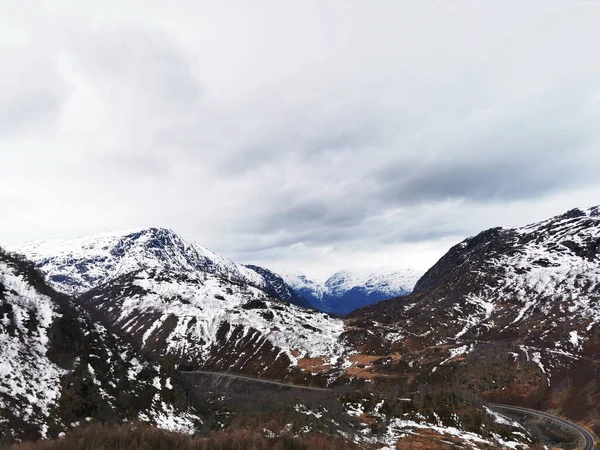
{"x":145,"y":437}
{"x":312,"y":364}
{"x":396,"y":356}
{"x":359,"y":366}
{"x":429,"y":440}
{"x":363,"y":359}
{"x":367,"y":419}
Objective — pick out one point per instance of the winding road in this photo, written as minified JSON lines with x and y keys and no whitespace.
{"x":256,"y":380}
{"x":586,"y":438}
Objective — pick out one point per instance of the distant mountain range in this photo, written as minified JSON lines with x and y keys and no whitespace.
{"x":348,"y":290}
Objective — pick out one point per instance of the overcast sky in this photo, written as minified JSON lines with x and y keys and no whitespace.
{"x":300,"y":135}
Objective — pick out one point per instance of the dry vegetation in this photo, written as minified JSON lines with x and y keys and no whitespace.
{"x":429,"y":440}
{"x":311,"y":364}
{"x":145,"y":437}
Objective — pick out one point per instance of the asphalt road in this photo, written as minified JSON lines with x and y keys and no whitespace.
{"x":258,"y":380}
{"x":586,"y":438}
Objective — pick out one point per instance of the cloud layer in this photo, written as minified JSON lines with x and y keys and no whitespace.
{"x":310,"y":136}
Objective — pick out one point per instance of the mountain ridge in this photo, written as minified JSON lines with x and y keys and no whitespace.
{"x":513,"y":313}
{"x":350,"y":289}
{"x":179,"y":300}
{"x":76,"y":265}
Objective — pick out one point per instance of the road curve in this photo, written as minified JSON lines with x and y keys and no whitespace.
{"x":257,"y":380}
{"x":587,"y":439}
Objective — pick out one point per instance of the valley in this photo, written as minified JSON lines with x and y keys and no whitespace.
{"x":200,"y":343}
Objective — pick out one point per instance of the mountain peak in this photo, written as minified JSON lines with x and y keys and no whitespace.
{"x":74,"y":266}
{"x":349,"y":289}
{"x":515,"y":275}
{"x":51,"y":247}
{"x":387,"y":279}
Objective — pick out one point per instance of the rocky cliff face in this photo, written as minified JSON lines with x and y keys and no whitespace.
{"x":278,"y":288}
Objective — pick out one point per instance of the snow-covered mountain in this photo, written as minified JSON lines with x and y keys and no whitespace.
{"x":180,"y":300}
{"x":515,"y":312}
{"x":309,"y":289}
{"x":60,"y":369}
{"x":348,"y":290}
{"x":74,"y":266}
{"x":279,"y":288}
{"x":203,"y":321}
{"x":503,"y":279}
{"x":511,"y":314}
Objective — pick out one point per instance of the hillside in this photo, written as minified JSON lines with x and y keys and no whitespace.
{"x":59,"y":368}
{"x":177,"y":299}
{"x":204,"y":321}
{"x":511,"y":313}
{"x":540,"y":283}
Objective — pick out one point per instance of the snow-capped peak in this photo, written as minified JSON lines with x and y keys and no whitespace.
{"x":353,"y":288}
{"x":386,"y":280}
{"x":76,"y":265}
{"x":301,"y":283}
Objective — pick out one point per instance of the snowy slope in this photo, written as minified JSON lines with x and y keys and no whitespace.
{"x":521,"y":306}
{"x":547,"y":272}
{"x":504,"y":278}
{"x":180,"y":300}
{"x":351,"y":289}
{"x":58,"y":368}
{"x":201,"y":321}
{"x":29,"y":380}
{"x":74,"y":266}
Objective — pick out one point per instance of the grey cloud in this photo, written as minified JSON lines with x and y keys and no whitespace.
{"x":481,"y":182}
{"x":142,"y":165}
{"x":142,"y":62}
{"x":515,"y":166}
{"x":29,"y":109}
{"x":33,"y":95}
{"x":369,"y":128}
{"x":309,"y":130}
